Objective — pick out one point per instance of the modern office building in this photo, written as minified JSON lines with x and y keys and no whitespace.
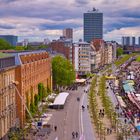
{"x":93,"y":25}
{"x":132,"y":41}
{"x":7,"y":95}
{"x":11,"y":39}
{"x":128,"y":41}
{"x":68,"y":33}
{"x":139,"y":41}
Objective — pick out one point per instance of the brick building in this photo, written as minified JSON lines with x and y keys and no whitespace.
{"x":7,"y":94}
{"x":65,"y":48}
{"x":33,"y":68}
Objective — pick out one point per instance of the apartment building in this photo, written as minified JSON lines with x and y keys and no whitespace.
{"x":7,"y":95}
{"x":98,"y":47}
{"x":105,"y":52}
{"x":82,"y":58}
{"x":108,"y":53}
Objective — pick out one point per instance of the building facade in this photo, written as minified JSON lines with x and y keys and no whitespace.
{"x":104,"y":53}
{"x":33,"y":68}
{"x":64,"y":48}
{"x":82,"y":58}
{"x":139,"y":41}
{"x":7,"y":96}
{"x":11,"y":39}
{"x":128,"y":41}
{"x":93,"y":25}
{"x":108,"y":55}
{"x":68,"y":33}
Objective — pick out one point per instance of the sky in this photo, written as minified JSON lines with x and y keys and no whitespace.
{"x":39,"y":19}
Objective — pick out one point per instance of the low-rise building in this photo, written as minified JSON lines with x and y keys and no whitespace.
{"x":7,"y":95}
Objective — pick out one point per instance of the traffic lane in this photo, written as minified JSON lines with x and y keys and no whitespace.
{"x":67,"y":119}
{"x":73,"y":123}
{"x":88,"y":131}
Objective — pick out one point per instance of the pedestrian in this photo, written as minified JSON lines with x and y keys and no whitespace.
{"x":87,"y":106}
{"x":55,"y":128}
{"x":103,"y":114}
{"x":125,"y":120}
{"x":76,"y":134}
{"x":73,"y":135}
{"x":83,"y":108}
{"x":107,"y":131}
{"x":110,"y":130}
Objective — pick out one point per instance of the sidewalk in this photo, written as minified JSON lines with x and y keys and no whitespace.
{"x":106,"y":122}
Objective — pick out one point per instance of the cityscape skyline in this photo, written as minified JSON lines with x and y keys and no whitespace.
{"x":46,"y":19}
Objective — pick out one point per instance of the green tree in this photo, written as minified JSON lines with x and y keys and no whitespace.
{"x":4,"y":45}
{"x":19,"y":48}
{"x":36,"y":100}
{"x":63,"y":71}
{"x":40,"y":91}
{"x":119,"y":51}
{"x":138,"y":59}
{"x":43,"y":47}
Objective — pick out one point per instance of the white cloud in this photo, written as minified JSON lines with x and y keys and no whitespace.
{"x":26,"y":17}
{"x":117,"y":34}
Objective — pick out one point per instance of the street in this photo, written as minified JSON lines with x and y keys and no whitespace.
{"x":72,"y":118}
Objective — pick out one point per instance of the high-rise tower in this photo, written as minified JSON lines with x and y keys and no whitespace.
{"x":93,"y":25}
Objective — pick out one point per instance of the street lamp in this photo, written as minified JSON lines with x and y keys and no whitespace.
{"x":15,"y":83}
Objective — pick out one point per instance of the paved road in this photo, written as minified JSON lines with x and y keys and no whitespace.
{"x":72,"y":118}
{"x":87,"y":125}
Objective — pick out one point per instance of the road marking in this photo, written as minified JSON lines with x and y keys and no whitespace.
{"x":81,"y":115}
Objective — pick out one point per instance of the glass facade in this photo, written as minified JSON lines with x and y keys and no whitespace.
{"x":93,"y":25}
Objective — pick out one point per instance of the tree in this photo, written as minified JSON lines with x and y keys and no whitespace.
{"x":43,"y":47}
{"x":36,"y":100}
{"x":19,"y":48}
{"x":119,"y":51}
{"x":40,"y":91}
{"x":63,"y":71}
{"x":138,"y":59}
{"x":4,"y":45}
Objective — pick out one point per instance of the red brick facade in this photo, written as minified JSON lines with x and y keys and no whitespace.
{"x":35,"y":69}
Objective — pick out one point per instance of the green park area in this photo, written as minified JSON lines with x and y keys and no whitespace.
{"x":123,"y":59}
{"x":138,"y":59}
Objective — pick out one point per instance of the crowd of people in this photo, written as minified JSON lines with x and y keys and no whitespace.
{"x":132,"y":109}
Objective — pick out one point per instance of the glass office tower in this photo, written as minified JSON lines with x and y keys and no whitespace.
{"x":93,"y":25}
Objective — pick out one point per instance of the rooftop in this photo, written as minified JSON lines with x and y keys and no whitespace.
{"x":94,"y":10}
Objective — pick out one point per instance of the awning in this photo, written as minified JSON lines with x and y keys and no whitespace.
{"x":80,"y":80}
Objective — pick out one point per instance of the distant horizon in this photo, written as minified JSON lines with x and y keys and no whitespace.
{"x":47,"y":18}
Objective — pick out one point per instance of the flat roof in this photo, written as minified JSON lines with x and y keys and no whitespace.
{"x":61,"y":98}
